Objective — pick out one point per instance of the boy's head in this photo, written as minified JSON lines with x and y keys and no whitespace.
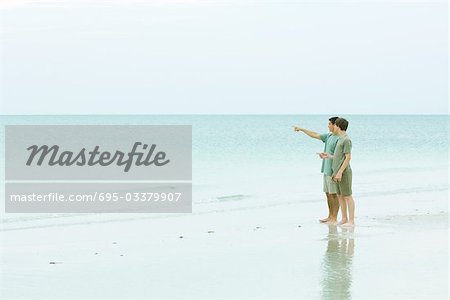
{"x":331,"y":122}
{"x":342,"y":124}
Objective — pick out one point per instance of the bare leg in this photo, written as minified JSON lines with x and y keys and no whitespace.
{"x":329,"y":209}
{"x":351,"y":210}
{"x":343,"y":210}
{"x":334,"y":209}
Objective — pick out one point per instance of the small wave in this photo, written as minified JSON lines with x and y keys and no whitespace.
{"x":408,"y":190}
{"x":232,"y":197}
{"x":44,"y":216}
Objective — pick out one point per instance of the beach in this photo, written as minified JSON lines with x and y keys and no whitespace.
{"x":182,"y":150}
{"x":253,"y":232}
{"x":262,"y":252}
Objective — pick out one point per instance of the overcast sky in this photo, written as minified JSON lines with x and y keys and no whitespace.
{"x":296,"y":57}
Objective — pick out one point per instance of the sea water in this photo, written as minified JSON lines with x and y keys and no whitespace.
{"x":256,"y":160}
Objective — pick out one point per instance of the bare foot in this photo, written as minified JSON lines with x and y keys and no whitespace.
{"x":324,"y":220}
{"x":343,"y":221}
{"x":331,"y":222}
{"x":348,"y":224}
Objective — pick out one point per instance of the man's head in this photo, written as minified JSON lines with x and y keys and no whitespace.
{"x":342,"y":124}
{"x":331,"y":122}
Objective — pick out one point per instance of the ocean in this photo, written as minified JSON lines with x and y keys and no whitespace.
{"x":245,"y":161}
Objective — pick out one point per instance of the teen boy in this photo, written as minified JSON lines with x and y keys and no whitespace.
{"x":342,"y":173}
{"x":329,"y":186}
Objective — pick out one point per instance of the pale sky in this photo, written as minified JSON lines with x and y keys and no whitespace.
{"x":226,"y":57}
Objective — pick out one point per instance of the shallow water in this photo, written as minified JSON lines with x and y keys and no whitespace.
{"x":258,"y":159}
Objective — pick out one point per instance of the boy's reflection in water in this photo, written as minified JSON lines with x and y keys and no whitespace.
{"x":337,"y":263}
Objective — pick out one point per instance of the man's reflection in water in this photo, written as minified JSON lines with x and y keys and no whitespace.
{"x":337,"y":263}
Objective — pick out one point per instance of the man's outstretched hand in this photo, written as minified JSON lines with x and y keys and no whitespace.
{"x":296,"y":128}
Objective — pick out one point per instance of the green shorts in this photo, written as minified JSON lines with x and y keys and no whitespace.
{"x":329,"y":186}
{"x":344,"y":187}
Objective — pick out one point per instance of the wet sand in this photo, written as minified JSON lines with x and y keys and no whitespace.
{"x":266,"y":252}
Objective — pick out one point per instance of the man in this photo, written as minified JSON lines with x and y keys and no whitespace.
{"x":342,"y":172}
{"x":329,"y":186}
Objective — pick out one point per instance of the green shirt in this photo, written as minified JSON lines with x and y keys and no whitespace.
{"x":343,"y":146}
{"x":330,"y":141}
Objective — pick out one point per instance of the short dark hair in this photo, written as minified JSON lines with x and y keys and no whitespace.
{"x":333,"y":120}
{"x":342,"y":123}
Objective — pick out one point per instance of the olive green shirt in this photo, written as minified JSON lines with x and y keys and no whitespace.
{"x":343,"y":146}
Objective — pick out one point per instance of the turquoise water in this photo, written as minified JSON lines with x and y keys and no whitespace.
{"x":258,"y":159}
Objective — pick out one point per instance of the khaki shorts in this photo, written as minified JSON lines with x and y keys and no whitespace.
{"x":329,"y":186}
{"x":344,"y":187}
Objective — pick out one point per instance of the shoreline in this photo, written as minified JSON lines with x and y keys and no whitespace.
{"x":273,"y":252}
